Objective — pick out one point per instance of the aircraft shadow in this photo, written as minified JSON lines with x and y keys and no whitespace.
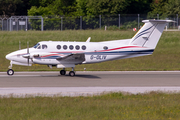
{"x":80,"y":76}
{"x":88,"y":76}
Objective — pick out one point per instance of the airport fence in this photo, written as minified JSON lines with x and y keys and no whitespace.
{"x":118,"y":21}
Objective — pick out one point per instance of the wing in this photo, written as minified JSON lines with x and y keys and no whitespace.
{"x":73,"y":58}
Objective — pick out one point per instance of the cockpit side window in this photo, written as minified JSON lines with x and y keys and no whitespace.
{"x":35,"y":46}
{"x":44,"y":46}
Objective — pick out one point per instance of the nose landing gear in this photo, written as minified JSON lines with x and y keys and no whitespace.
{"x":10,"y":71}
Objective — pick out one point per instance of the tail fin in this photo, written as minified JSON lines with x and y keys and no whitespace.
{"x":149,"y":34}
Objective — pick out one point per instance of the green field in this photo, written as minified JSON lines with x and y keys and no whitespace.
{"x":165,"y":57}
{"x":114,"y":106}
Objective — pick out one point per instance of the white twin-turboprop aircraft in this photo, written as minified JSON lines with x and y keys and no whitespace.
{"x":68,"y":54}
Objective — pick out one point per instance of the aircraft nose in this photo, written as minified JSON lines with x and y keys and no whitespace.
{"x":8,"y":56}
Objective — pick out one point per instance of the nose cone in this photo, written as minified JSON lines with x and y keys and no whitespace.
{"x":18,"y":56}
{"x":9,"y":56}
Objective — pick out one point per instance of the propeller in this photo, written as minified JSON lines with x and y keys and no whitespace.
{"x":27,"y":55}
{"x":30,"y":56}
{"x":28,"y":52}
{"x":19,"y":45}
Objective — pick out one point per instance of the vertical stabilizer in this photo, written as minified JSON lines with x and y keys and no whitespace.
{"x":150,"y":33}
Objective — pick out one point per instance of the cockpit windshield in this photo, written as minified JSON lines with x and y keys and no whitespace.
{"x":35,"y":46}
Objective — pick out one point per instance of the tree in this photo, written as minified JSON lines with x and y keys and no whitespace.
{"x":22,"y":7}
{"x":34,"y":3}
{"x":157,"y":7}
{"x":81,"y":7}
{"x":52,"y":10}
{"x":172,"y":7}
{"x":9,"y":7}
{"x":165,"y":8}
{"x":34,"y":11}
{"x":138,"y":7}
{"x":63,"y":7}
{"x":54,"y":7}
{"x":97,"y":7}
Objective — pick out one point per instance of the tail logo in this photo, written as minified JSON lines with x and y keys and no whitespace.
{"x":142,"y":33}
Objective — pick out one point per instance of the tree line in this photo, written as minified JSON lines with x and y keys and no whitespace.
{"x":89,"y":7}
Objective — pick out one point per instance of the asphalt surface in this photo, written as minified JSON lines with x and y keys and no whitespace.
{"x":88,"y":83}
{"x":91,"y":79}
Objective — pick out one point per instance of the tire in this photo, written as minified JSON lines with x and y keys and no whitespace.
{"x":10,"y":72}
{"x":72,"y":73}
{"x":63,"y":72}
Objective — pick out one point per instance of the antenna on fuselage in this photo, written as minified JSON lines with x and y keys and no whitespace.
{"x":88,"y":40}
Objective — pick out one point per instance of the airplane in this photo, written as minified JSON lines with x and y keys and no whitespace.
{"x":68,"y":54}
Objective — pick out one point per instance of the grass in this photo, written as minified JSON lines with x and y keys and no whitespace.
{"x":165,"y":57}
{"x":151,"y":106}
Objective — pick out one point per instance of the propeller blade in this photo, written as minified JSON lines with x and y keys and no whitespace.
{"x":19,"y":45}
{"x":28,"y":61}
{"x":28,"y":53}
{"x":27,"y":47}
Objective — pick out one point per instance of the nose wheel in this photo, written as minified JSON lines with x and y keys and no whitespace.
{"x":10,"y":72}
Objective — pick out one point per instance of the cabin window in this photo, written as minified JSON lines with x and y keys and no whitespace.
{"x":58,"y":47}
{"x":105,"y":47}
{"x":65,"y":47}
{"x":77,"y":47}
{"x":44,"y":46}
{"x":84,"y":47}
{"x":71,"y":47}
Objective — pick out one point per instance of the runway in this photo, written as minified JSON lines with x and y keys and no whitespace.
{"x":88,"y":82}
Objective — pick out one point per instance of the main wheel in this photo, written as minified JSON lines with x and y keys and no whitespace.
{"x":10,"y":72}
{"x":72,"y":73}
{"x":63,"y":72}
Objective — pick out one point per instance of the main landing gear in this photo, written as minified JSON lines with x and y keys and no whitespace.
{"x":71,"y":73}
{"x":10,"y":71}
{"x":63,"y":72}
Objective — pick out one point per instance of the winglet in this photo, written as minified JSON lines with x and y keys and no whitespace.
{"x":88,"y":40}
